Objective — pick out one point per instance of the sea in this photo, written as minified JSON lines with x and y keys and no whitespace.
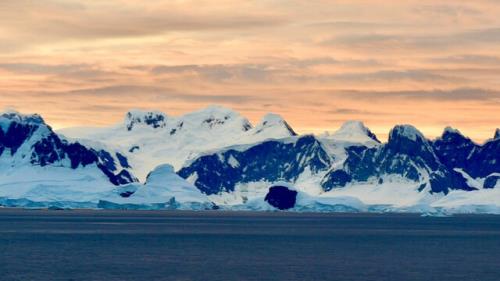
{"x":228,"y":245}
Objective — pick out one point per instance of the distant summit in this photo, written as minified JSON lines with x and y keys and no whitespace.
{"x":273,"y":123}
{"x":153,"y":119}
{"x":15,"y":116}
{"x":355,"y":132}
{"x":153,"y":138}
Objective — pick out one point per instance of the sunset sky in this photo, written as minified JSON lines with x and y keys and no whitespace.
{"x":317,"y":63}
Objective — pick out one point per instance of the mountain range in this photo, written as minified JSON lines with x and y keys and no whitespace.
{"x":215,"y":158}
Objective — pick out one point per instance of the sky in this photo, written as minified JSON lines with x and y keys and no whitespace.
{"x":317,"y":63}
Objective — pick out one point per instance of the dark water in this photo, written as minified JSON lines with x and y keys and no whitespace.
{"x":118,"y":245}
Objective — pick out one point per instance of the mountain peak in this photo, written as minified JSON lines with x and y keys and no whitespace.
{"x":154,"y":119}
{"x":355,"y":132}
{"x":497,"y":134}
{"x":12,"y":115}
{"x":272,"y":120}
{"x":407,"y":132}
{"x":451,"y":130}
{"x":452,"y":133}
{"x":215,"y":116}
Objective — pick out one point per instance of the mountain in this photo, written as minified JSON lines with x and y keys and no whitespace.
{"x":355,"y":133}
{"x":137,"y":118}
{"x":224,"y":162}
{"x":35,"y":161}
{"x":151,"y":138}
{"x":246,"y":170}
{"x":454,"y":149}
{"x":272,"y":126}
{"x":273,"y":160}
{"x":475,"y":161}
{"x":407,"y":154}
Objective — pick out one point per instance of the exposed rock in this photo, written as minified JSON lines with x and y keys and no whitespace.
{"x":281,"y":197}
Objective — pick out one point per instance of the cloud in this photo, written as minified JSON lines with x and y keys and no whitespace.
{"x":293,"y":70}
{"x":461,"y":94}
{"x":352,"y":111}
{"x":468,"y":59}
{"x":62,"y":21}
{"x":220,"y":72}
{"x":35,"y":68}
{"x":375,"y":41}
{"x":391,"y":75}
{"x":455,"y":10}
{"x":156,"y":93}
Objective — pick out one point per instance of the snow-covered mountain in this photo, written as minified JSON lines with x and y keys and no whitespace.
{"x":151,"y":138}
{"x":223,"y":161}
{"x":409,"y":171}
{"x":407,"y":154}
{"x":355,"y":133}
{"x":36,"y":163}
{"x":270,"y":161}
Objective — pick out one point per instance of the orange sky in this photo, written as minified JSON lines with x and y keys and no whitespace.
{"x":317,"y":63}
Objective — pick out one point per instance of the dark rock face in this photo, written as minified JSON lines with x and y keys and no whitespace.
{"x":336,"y":179}
{"x":49,"y":150}
{"x":485,"y":160}
{"x":491,"y":181}
{"x":134,"y":148}
{"x":407,"y":153}
{"x":457,"y":151}
{"x":453,"y":149}
{"x":281,"y":197}
{"x":152,"y":119}
{"x":372,"y":136}
{"x":80,"y":155}
{"x":289,"y":129}
{"x":270,"y":161}
{"x":123,"y":160}
{"x":16,"y":135}
{"x":46,"y":148}
{"x":126,"y":194}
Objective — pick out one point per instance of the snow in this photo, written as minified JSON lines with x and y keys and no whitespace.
{"x":89,"y":188}
{"x":480,"y":201}
{"x":163,"y":186}
{"x":177,"y":140}
{"x":233,"y":162}
{"x":272,"y":125}
{"x":180,"y":138}
{"x":476,"y":183}
{"x":395,"y":194}
{"x":352,"y":133}
{"x":15,"y":116}
{"x":54,"y":184}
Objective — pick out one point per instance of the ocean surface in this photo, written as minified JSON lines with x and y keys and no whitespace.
{"x":174,"y":245}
